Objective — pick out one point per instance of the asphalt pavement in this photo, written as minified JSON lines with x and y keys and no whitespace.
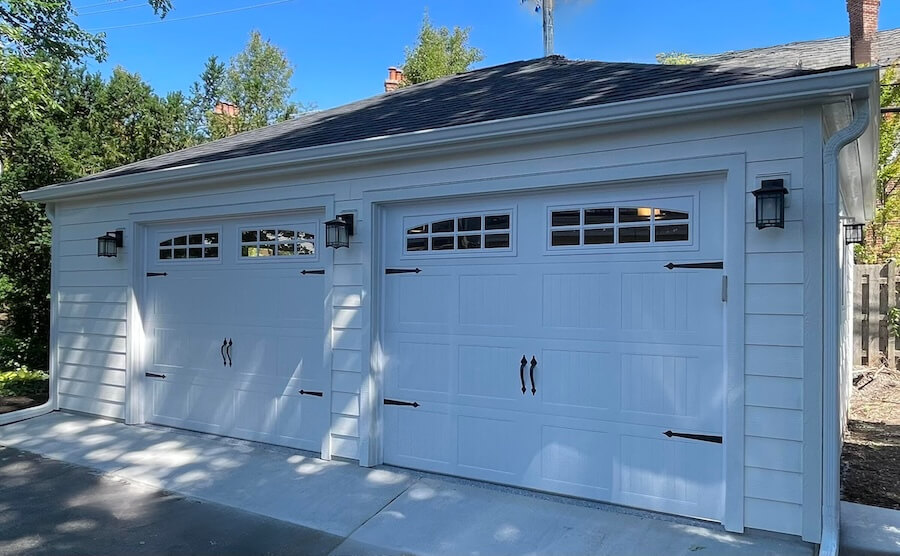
{"x":51,"y":507}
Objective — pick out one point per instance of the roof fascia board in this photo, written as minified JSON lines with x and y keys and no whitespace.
{"x":856,"y":82}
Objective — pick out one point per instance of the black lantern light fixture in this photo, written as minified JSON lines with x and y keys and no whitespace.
{"x":854,"y":233}
{"x":770,"y":204}
{"x":338,"y":231}
{"x":108,"y":245}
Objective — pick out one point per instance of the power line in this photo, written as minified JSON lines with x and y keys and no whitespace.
{"x":197,"y":16}
{"x":119,"y":9}
{"x":107,"y":3}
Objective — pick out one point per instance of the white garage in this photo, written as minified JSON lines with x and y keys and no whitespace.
{"x":618,"y":282}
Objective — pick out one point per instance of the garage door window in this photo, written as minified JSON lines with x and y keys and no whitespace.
{"x":626,"y":225}
{"x":187,"y":246}
{"x":469,"y":233}
{"x":276,"y":242}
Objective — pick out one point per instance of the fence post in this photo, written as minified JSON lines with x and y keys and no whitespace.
{"x":874,"y":316}
{"x":858,"y":272}
{"x":890,"y":352}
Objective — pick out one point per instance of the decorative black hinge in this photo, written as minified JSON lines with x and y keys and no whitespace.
{"x":310,"y":393}
{"x":318,"y":271}
{"x":157,"y":274}
{"x":398,"y":402}
{"x":402,"y":270}
{"x":717,"y":264}
{"x":154,"y":375}
{"x":703,"y":437}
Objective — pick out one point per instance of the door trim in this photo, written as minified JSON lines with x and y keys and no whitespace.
{"x":138,"y":226}
{"x":733,"y":166}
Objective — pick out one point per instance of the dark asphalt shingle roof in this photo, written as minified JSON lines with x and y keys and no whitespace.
{"x":493,"y":93}
{"x":817,"y":54}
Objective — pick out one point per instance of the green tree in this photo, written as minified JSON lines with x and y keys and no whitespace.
{"x":95,"y":125}
{"x":35,"y":35}
{"x":205,"y":94}
{"x":677,"y":58}
{"x":883,"y":233}
{"x":438,"y":52}
{"x":258,"y":83}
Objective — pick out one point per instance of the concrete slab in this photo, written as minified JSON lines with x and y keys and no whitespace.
{"x":869,"y":531}
{"x":374,"y":511}
{"x":437,"y":516}
{"x":331,"y":496}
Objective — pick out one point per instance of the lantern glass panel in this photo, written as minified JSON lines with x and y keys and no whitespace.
{"x":106,"y":246}
{"x":337,"y":234}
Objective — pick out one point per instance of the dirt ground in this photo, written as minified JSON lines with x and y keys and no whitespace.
{"x":13,"y":403}
{"x":870,"y":466}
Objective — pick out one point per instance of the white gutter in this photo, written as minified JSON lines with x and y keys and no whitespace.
{"x":831,"y":423}
{"x":788,"y":90}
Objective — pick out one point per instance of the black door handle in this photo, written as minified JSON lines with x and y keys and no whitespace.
{"x":522,"y":372}
{"x":222,"y":351}
{"x":228,"y":351}
{"x":531,"y":373}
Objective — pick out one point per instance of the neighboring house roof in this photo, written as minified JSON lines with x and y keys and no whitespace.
{"x":494,"y":93}
{"x":817,"y":54}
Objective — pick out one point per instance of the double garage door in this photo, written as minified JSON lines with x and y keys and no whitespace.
{"x":235,"y":311}
{"x":545,"y":342}
{"x":567,"y":342}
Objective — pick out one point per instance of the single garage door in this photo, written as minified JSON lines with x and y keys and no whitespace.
{"x":235,"y":317}
{"x":548,"y":345}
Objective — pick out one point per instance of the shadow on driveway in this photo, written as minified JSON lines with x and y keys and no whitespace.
{"x":50,"y":507}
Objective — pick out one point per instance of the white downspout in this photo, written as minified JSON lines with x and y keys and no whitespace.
{"x":831,"y":424}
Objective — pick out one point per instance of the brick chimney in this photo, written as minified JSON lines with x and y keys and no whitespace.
{"x":223,"y":108}
{"x":863,"y":26}
{"x":395,"y":77}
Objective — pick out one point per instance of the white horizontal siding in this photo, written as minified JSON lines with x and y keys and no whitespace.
{"x":774,"y":342}
{"x":778,"y":486}
{"x":91,"y":323}
{"x":784,"y":361}
{"x":772,"y":515}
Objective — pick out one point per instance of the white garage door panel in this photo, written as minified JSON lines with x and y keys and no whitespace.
{"x":273,"y":319}
{"x":624,"y":350}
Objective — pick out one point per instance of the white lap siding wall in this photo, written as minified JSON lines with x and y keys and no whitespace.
{"x":783,"y":289}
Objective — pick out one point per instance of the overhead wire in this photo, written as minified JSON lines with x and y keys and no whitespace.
{"x":107,"y":3}
{"x":185,"y":18}
{"x":118,"y":9}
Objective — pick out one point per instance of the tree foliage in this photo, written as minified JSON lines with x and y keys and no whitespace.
{"x":35,"y":35}
{"x":96,"y":124}
{"x":883,"y":233}
{"x":257,"y":81}
{"x":676,"y":58}
{"x":438,"y":52}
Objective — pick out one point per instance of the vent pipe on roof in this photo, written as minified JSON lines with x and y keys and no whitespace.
{"x":863,"y":27}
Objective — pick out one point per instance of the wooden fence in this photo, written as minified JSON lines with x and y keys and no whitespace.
{"x":876,"y":289}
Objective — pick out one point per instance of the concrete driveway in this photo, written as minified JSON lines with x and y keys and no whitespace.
{"x":116,"y":493}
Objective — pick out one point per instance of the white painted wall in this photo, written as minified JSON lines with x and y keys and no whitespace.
{"x":780,"y":485}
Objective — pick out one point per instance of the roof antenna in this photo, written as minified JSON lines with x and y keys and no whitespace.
{"x":547,"y":10}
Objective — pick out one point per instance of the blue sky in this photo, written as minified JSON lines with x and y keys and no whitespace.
{"x":341,"y":48}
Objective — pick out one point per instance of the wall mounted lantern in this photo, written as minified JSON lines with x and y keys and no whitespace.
{"x":108,"y":245}
{"x":770,"y":204}
{"x":854,"y":233}
{"x":338,"y":231}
